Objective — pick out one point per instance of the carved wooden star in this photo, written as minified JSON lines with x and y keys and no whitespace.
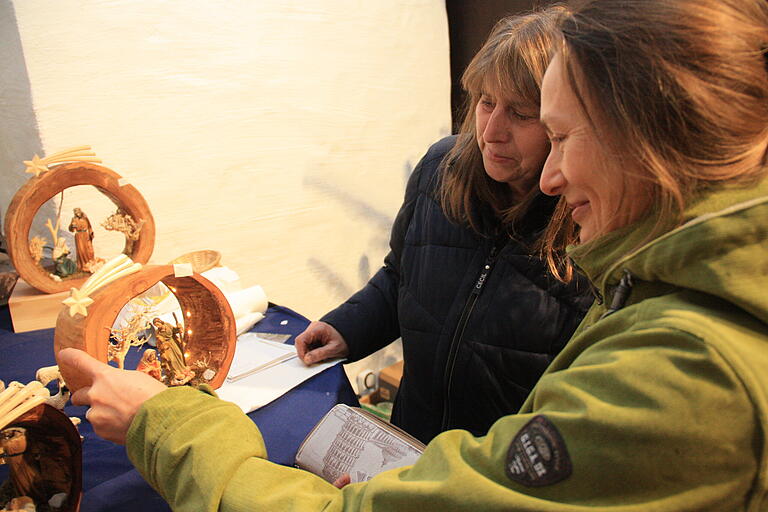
{"x":35,"y":166}
{"x":78,"y":302}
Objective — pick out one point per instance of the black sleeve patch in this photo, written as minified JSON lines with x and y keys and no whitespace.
{"x":537,"y":455}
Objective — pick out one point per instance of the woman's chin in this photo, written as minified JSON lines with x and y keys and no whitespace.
{"x":516,"y":179}
{"x":496,"y":175}
{"x":586,"y":234}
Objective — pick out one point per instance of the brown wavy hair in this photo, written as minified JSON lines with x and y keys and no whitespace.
{"x":677,"y":88}
{"x":513,"y":59}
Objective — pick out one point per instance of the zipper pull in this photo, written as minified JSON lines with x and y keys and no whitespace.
{"x":621,"y":294}
{"x":486,"y":270}
{"x":481,"y":280}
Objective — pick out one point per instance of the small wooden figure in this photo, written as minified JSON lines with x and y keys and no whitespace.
{"x":23,"y":476}
{"x":150,"y":364}
{"x":63,"y":265}
{"x":20,"y":504}
{"x":171,"y":349}
{"x":81,"y":227}
{"x":35,"y":470}
{"x":44,"y":453}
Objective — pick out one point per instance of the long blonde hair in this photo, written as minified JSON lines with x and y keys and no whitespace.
{"x":515,"y":55}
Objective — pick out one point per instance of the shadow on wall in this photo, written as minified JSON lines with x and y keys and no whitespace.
{"x":19,"y":131}
{"x":381,"y":224}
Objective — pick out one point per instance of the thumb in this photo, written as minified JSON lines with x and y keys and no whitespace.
{"x":321,"y":353}
{"x":78,"y":367}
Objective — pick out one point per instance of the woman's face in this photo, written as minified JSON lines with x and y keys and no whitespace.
{"x":599,"y":194}
{"x":512,"y":141}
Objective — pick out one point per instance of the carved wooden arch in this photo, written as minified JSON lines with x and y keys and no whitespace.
{"x":48,"y":423}
{"x":34,"y":194}
{"x":208,"y":319}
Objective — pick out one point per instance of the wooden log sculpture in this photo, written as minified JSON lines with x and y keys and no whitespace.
{"x":52,"y":460}
{"x":209,"y":330}
{"x":47,"y":183}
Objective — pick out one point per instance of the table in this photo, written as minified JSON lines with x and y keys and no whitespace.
{"x":110,"y":483}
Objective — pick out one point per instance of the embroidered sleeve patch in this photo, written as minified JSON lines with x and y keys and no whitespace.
{"x":537,"y":455}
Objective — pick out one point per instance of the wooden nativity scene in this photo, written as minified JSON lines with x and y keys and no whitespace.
{"x":164,"y":320}
{"x":138,"y":320}
{"x":41,"y":448}
{"x":168,"y":321}
{"x":49,"y":262}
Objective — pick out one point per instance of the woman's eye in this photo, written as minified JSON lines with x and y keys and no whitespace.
{"x":487,"y":104}
{"x":523,"y":117}
{"x":554,"y":139}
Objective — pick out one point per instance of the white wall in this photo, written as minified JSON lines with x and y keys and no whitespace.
{"x":278,"y":132}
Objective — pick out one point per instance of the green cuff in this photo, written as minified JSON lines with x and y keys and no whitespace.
{"x":177,"y":416}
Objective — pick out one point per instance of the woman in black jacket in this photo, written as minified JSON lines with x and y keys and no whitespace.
{"x":463,"y":285}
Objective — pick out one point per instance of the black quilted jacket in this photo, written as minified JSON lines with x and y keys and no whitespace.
{"x":480,"y":318}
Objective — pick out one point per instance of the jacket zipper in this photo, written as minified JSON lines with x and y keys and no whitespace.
{"x":458,"y":334}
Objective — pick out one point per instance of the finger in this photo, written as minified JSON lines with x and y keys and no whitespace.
{"x":82,"y":396}
{"x":309,"y":339}
{"x":322,"y":353}
{"x":78,"y":362}
{"x":308,"y":351}
{"x":312,"y":356}
{"x":301,"y":345}
{"x":342,"y":480}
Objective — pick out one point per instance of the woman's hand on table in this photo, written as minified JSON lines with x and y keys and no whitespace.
{"x":114,"y":395}
{"x":320,"y":341}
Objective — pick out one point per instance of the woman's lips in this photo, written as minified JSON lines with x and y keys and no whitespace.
{"x":498,"y":158}
{"x":579,"y":210}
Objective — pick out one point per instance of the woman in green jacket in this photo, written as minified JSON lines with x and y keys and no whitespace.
{"x":660,"y":400}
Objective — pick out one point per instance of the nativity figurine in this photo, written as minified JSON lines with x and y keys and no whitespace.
{"x":63,"y":265}
{"x":36,"y":466}
{"x":81,"y":227}
{"x":150,"y":364}
{"x":36,"y":245}
{"x":170,"y":347}
{"x":20,"y":504}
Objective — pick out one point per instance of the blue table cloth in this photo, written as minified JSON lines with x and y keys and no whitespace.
{"x":109,"y":481}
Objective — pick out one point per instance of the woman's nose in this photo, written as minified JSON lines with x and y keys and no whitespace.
{"x":497,"y":129}
{"x":552,"y":182}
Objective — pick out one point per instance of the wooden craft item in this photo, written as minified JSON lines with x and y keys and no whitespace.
{"x":208,"y":321}
{"x":18,"y":399}
{"x":201,"y":260}
{"x":31,"y":309}
{"x":55,"y":447}
{"x":44,"y":186}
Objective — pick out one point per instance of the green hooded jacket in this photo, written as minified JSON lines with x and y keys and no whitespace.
{"x":658,"y":402}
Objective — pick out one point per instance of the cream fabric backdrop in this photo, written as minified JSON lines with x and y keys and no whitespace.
{"x":280,"y":133}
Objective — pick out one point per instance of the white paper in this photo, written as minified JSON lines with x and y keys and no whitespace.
{"x":244,"y":323}
{"x":252,"y":351}
{"x":182,"y":269}
{"x":245,"y":301}
{"x":263,"y":387}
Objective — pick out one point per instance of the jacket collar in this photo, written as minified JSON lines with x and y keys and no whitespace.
{"x":719,"y":248}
